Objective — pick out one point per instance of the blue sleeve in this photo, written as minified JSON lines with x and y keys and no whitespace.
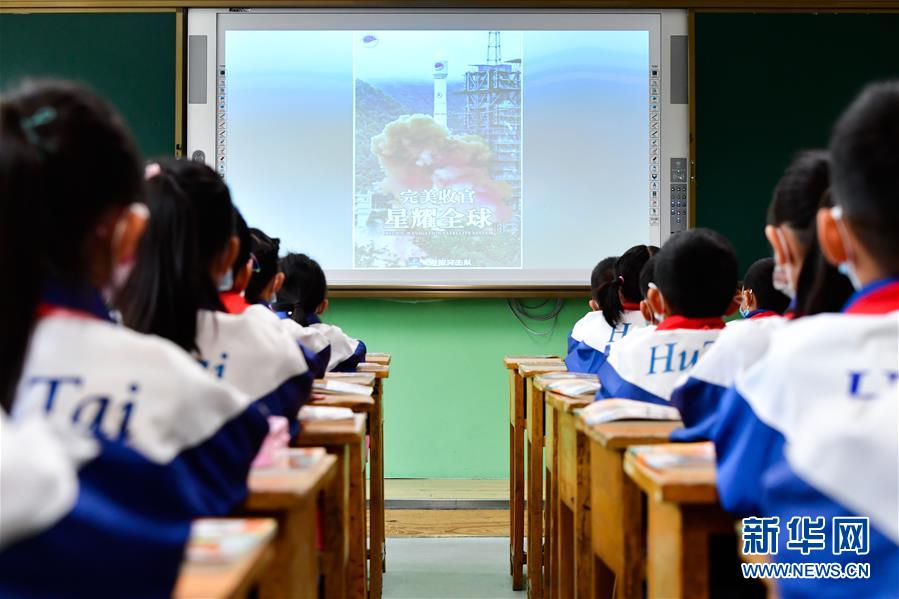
{"x":697,"y":401}
{"x":744,"y":447}
{"x":613,"y":386}
{"x":351,"y":363}
{"x":571,"y":343}
{"x":317,"y":362}
{"x":584,"y":358}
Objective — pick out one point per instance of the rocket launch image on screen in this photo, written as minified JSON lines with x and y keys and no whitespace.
{"x":438,"y":149}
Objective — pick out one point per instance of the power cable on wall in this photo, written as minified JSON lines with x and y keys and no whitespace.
{"x":524,"y":312}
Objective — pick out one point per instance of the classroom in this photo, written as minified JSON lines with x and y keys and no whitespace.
{"x":449,"y":299}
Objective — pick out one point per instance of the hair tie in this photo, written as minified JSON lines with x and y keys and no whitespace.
{"x":152,"y":170}
{"x":29,"y":125}
{"x":621,"y":279}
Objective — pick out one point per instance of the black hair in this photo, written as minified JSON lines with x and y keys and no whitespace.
{"x":865,"y":163}
{"x":625,"y":282}
{"x":696,"y":271}
{"x":602,"y":273}
{"x":646,"y":276}
{"x":67,"y":160}
{"x":191,"y":222}
{"x":305,"y":287}
{"x":759,"y":278}
{"x":801,"y":191}
{"x":245,"y":247}
{"x":266,"y":250}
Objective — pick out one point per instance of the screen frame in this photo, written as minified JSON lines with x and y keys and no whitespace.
{"x":412,"y":282}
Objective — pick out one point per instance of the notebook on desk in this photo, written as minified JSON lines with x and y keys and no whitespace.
{"x":609,"y":410}
{"x":222,"y":540}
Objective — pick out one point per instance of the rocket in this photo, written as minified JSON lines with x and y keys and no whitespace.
{"x":441,"y":69}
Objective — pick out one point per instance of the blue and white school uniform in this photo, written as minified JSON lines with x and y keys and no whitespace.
{"x":318,"y":345}
{"x":254,"y":352}
{"x":84,"y":517}
{"x":738,"y":347}
{"x":592,"y":337}
{"x":85,"y":373}
{"x":346,"y":352}
{"x":853,"y":356}
{"x":648,"y":363}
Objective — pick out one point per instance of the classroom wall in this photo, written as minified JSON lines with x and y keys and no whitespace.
{"x":447,"y":398}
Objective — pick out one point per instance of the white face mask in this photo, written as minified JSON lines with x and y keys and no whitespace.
{"x":120,"y":271}
{"x":782,"y":278}
{"x":227,"y":281}
{"x":846,"y":268}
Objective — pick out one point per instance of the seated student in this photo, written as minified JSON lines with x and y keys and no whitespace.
{"x":693,"y":281}
{"x":245,"y":264}
{"x":616,"y":304}
{"x":265,"y":283}
{"x":602,"y":273}
{"x":303,"y":298}
{"x":70,"y":169}
{"x":791,"y":217}
{"x":188,"y":252}
{"x":759,"y":298}
{"x":813,"y":403}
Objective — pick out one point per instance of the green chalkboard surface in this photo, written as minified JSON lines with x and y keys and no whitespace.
{"x":768,"y":85}
{"x":127,"y":57}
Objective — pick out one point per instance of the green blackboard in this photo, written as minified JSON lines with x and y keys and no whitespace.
{"x":768,"y":85}
{"x":127,"y":57}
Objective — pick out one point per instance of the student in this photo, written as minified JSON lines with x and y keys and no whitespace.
{"x":791,"y":227}
{"x":303,"y":298}
{"x":70,"y":169}
{"x":265,"y":284}
{"x":189,"y":252}
{"x":646,"y":275}
{"x":616,"y":303}
{"x":602,"y":274}
{"x":693,"y":281}
{"x":799,"y":417}
{"x":759,"y":298}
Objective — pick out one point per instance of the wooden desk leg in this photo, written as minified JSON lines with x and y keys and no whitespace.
{"x":335,"y":518}
{"x":617,"y":529}
{"x":678,"y":547}
{"x":583,"y":547}
{"x":376,"y":484}
{"x":535,"y":491}
{"x":293,"y":571}
{"x":516,"y":479}
{"x":550,"y":559}
{"x":357,"y":576}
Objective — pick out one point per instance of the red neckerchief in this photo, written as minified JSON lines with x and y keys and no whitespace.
{"x":233,"y":302}
{"x":630,"y":306}
{"x":45,"y":310}
{"x":881,"y":299}
{"x":764,"y":314}
{"x":682,"y":322}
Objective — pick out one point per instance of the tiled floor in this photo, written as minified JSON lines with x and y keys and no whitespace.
{"x":448,"y":568}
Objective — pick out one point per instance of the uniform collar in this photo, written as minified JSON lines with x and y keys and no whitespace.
{"x":682,"y":322}
{"x":234,"y":302}
{"x":630,"y":306}
{"x":77,"y":300}
{"x":879,"y":297}
{"x":760,"y":313}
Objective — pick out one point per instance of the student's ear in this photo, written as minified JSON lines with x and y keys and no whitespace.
{"x":128,"y":232}
{"x":226,"y":258}
{"x":656,"y":301}
{"x":749,"y":299}
{"x":277,"y":283}
{"x":646,"y":311}
{"x":829,"y":238}
{"x":322,"y":307}
{"x":593,"y":305}
{"x":780,"y":252}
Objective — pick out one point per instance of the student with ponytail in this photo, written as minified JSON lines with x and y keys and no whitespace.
{"x":138,"y":423}
{"x":304,"y":298}
{"x":189,"y":253}
{"x":616,"y":305}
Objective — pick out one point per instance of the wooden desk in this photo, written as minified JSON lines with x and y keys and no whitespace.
{"x":361,"y":404}
{"x":378,"y":550}
{"x":290,"y":496}
{"x":231,"y":580}
{"x":616,"y":505}
{"x":344,"y":502}
{"x":683,"y":514}
{"x":517,"y":432}
{"x":357,"y":378}
{"x":567,"y":492}
{"x":535,"y":411}
{"x":378,"y":358}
